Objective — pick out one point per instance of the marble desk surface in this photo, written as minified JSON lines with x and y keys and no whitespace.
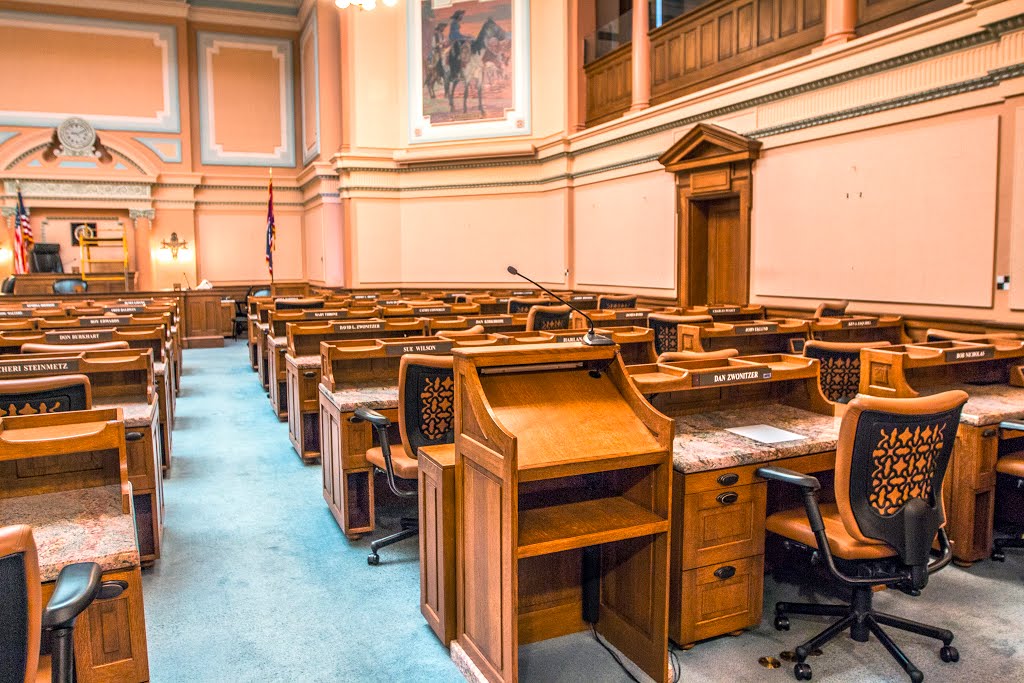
{"x":701,"y":442}
{"x":376,"y":395}
{"x":304,"y":362}
{"x":990,"y":403}
{"x":82,"y":525}
{"x":136,"y":413}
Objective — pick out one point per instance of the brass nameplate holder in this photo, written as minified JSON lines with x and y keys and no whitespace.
{"x":756,"y":328}
{"x":735,"y":375}
{"x":358,"y":327}
{"x":57,"y":337}
{"x":418,"y":347}
{"x":105,"y":321}
{"x":321,"y":315}
{"x":966,"y":355}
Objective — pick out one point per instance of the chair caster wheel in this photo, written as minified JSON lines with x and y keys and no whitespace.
{"x":373,"y":559}
{"x":949,"y":654}
{"x":781,"y":623}
{"x":802,"y":671}
{"x":999,"y":556}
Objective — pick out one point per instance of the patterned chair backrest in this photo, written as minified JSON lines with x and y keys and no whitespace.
{"x":70,"y":286}
{"x":548,"y":318}
{"x":521,"y":305}
{"x":890,"y":463}
{"x":666,"y":329}
{"x":426,"y":388}
{"x":839,"y":374}
{"x":21,"y":607}
{"x":38,"y":395}
{"x":298,"y":304}
{"x":607,"y":301}
{"x":831,"y":309}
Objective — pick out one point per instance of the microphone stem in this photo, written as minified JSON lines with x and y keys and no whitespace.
{"x":590,"y":322}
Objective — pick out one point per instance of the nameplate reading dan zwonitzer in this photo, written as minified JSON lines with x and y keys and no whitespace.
{"x":17,"y":367}
{"x":731,"y":376}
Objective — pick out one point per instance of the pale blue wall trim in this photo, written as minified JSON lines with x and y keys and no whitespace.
{"x":247,"y":7}
{"x":312,"y":153}
{"x":153,"y":144}
{"x":77,"y":164}
{"x":168,"y":122}
{"x":34,"y":163}
{"x":6,"y":135}
{"x":213,"y":157}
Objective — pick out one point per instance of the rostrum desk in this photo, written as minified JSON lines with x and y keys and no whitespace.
{"x":719,"y":505}
{"x":989,"y":369}
{"x":563,"y":482}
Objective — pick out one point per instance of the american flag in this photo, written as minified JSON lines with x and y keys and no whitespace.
{"x":23,"y":238}
{"x":271,"y":231}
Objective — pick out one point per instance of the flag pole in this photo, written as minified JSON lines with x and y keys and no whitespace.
{"x":273,"y":246}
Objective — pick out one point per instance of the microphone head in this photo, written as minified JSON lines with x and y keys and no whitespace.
{"x":512,"y":270}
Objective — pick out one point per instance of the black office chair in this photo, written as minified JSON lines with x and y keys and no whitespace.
{"x":7,"y":286}
{"x":666,"y":329}
{"x":839,"y":374}
{"x":548,"y":318}
{"x":1009,"y":481}
{"x":240,"y":320}
{"x":23,"y":618}
{"x":426,"y":417}
{"x":44,"y":257}
{"x":37,"y":395}
{"x":609,"y":301}
{"x":298,"y":304}
{"x":70,"y":286}
{"x":891,"y":460}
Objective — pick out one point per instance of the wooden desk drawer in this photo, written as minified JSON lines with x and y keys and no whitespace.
{"x":974,"y":457}
{"x":723,"y":525}
{"x":718,"y":599}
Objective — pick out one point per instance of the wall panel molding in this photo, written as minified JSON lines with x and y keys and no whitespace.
{"x":309,"y":41}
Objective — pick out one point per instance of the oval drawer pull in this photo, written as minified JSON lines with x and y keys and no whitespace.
{"x":728,"y":479}
{"x":989,"y":433}
{"x":728,"y":498}
{"x":133,"y":436}
{"x":309,"y":373}
{"x":726,"y":572}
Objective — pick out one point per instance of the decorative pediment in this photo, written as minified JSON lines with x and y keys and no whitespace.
{"x":708,"y":145}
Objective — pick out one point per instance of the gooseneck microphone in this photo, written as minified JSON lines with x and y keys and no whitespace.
{"x":187,"y":283}
{"x":591,"y":338}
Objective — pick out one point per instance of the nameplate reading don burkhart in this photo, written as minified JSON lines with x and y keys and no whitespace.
{"x":80,"y":337}
{"x":420,"y":347}
{"x":965,"y":355}
{"x":730,"y":376}
{"x":17,"y":367}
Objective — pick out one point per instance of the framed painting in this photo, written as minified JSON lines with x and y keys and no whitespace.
{"x":469,"y":69}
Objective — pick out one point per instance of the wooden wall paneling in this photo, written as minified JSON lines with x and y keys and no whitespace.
{"x":609,"y":85}
{"x":875,"y":15}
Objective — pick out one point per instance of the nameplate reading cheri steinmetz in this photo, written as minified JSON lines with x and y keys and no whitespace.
{"x":966,"y":355}
{"x":49,"y":367}
{"x":419,"y":347}
{"x":730,"y":376}
{"x":80,"y":337}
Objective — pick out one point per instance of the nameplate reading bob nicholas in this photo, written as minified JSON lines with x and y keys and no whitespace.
{"x":630,"y":315}
{"x":80,"y":337}
{"x":425,"y":310}
{"x":16,"y":314}
{"x":17,"y":367}
{"x":419,"y":347}
{"x":490,"y":320}
{"x":723,"y":310}
{"x":125,"y":309}
{"x":731,"y":376}
{"x":40,"y":304}
{"x":759,"y":328}
{"x":105,"y":321}
{"x":965,"y":355}
{"x":358,"y":327}
{"x":860,"y":322}
{"x":325,"y":315}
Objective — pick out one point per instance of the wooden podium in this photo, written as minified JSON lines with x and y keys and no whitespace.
{"x":563,"y":480}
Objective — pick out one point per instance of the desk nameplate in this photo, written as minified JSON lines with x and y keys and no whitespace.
{"x":723,"y":310}
{"x":134,"y":308}
{"x":24,"y":313}
{"x":758,"y":328}
{"x":731,"y":376}
{"x":630,"y":315}
{"x":489,"y":320}
{"x":364,"y":297}
{"x":57,"y":337}
{"x":389,"y":302}
{"x":108,"y":321}
{"x":325,"y":315}
{"x":583,"y":297}
{"x":358,"y":327}
{"x":134,"y":302}
{"x":860,"y":322}
{"x":39,"y":304}
{"x":969,"y":355}
{"x":425,"y":310}
{"x":420,"y":347}
{"x":17,"y":367}
{"x":523,"y":292}
{"x":567,"y":339}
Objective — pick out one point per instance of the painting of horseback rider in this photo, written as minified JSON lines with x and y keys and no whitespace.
{"x":467,"y":60}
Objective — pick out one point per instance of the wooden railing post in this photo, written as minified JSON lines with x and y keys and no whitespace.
{"x":641,"y":57}
{"x":840,"y":22}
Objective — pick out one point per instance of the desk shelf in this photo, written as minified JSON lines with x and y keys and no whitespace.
{"x":554,"y":528}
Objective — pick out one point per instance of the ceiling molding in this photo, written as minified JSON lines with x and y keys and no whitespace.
{"x":177,"y":9}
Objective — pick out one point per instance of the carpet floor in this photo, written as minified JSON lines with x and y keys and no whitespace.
{"x":257,"y":583}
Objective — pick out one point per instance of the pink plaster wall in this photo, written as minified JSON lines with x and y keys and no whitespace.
{"x":246,"y":88}
{"x":232,"y":246}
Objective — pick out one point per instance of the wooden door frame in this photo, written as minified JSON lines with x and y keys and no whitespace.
{"x":710,"y":163}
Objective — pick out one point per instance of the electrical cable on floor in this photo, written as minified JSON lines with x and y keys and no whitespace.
{"x":677,"y":667}
{"x":618,"y":661}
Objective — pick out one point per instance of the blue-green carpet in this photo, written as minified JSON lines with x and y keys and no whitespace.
{"x":257,"y":583}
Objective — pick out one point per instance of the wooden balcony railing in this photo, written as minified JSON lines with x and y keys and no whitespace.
{"x":609,"y":85}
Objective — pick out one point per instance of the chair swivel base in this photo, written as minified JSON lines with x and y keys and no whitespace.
{"x":410,"y":528}
{"x":861,"y":620}
{"x":1001,"y":544}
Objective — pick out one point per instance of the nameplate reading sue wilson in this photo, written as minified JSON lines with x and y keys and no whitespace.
{"x":730,"y":376}
{"x":421,"y":347}
{"x":40,"y":304}
{"x":325,"y":315}
{"x":80,"y":337}
{"x":125,"y":309}
{"x":358,"y":327}
{"x":723,"y":310}
{"x":860,"y":322}
{"x":490,"y":320}
{"x":50,"y":367}
{"x":965,"y":355}
{"x":105,"y":321}
{"x":630,"y":315}
{"x":759,"y":328}
{"x":424,"y":310}
{"x":16,"y":314}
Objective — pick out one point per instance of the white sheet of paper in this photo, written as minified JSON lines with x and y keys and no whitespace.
{"x":765,"y":433}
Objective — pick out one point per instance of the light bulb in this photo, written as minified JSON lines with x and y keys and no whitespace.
{"x":343,"y":4}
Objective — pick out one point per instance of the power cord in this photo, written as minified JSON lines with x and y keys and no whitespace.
{"x":677,"y":668}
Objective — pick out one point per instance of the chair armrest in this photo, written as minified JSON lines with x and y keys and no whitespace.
{"x":804,"y":481}
{"x":77,"y":586}
{"x":371,"y":416}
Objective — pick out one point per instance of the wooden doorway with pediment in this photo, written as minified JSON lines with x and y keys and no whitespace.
{"x":714,"y":172}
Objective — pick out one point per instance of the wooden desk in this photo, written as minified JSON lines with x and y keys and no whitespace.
{"x":772,"y":335}
{"x":612,"y":317}
{"x":718,"y":503}
{"x":562,"y":471}
{"x":437,"y":539}
{"x":42,"y":283}
{"x":991,"y":370}
{"x":725,"y":313}
{"x":205,"y":319}
{"x":859,"y":328}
